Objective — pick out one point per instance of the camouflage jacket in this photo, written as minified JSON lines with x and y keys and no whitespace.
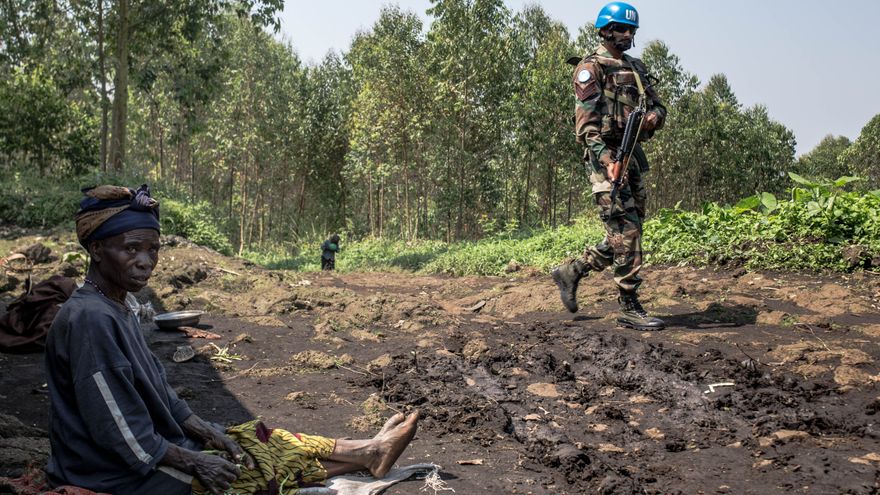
{"x":606,"y":92}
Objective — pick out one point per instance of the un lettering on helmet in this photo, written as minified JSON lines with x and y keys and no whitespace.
{"x":619,"y":12}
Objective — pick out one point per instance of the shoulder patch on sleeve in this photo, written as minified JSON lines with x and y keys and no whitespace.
{"x":583,"y":76}
{"x":586,"y":85}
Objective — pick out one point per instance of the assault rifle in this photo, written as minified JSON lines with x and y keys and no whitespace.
{"x":630,"y":137}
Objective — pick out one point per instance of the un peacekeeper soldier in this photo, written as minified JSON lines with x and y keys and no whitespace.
{"x":608,"y":85}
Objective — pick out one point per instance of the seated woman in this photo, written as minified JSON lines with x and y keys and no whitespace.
{"x":117,"y":426}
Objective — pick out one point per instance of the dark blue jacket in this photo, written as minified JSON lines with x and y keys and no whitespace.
{"x":113,"y":413}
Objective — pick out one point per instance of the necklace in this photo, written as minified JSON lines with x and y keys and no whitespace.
{"x":93,"y":284}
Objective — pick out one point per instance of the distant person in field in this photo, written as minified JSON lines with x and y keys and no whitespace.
{"x":328,"y":252}
{"x":608,"y":86}
{"x":118,"y":427}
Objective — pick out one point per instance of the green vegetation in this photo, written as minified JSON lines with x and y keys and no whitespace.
{"x":820,"y":226}
{"x":449,"y":127}
{"x":195,"y":222}
{"x":489,"y":256}
{"x":28,"y":200}
{"x":41,"y":128}
{"x":447,"y":147}
{"x":811,"y":230}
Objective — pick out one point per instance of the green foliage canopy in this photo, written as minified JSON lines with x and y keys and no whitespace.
{"x":824,"y":159}
{"x":40,"y":126}
{"x":862,"y":158}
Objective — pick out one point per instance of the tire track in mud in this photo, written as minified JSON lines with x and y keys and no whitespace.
{"x":608,"y":412}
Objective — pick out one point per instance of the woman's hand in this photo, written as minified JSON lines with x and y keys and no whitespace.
{"x":215,"y":473}
{"x":220,"y":441}
{"x":215,"y":439}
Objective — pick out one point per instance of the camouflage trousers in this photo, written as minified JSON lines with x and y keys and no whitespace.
{"x":622,"y":246}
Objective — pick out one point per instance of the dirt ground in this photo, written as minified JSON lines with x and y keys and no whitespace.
{"x":763,"y":382}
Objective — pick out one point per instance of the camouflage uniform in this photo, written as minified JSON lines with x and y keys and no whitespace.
{"x":606,"y":92}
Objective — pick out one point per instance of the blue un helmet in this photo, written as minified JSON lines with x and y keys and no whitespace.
{"x":618,"y":12}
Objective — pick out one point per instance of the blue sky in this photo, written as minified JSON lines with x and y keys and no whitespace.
{"x":812,"y":63}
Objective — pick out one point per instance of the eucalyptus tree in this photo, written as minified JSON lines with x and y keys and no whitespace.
{"x":468,"y":51}
{"x":389,"y":115}
{"x":713,"y":149}
{"x":327,"y":106}
{"x":673,"y":81}
{"x":587,"y":40}
{"x":251,"y":143}
{"x":862,"y":158}
{"x":539,"y":114}
{"x":824,"y":159}
{"x":140,"y":27}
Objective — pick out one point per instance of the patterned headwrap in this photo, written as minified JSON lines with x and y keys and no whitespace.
{"x":111,"y":210}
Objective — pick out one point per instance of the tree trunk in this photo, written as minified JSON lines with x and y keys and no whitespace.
{"x":381,"y":199}
{"x":546,"y":208}
{"x":231,"y":191}
{"x":407,"y":232}
{"x":570,"y":193}
{"x":192,"y":168}
{"x":161,"y":151}
{"x":419,"y":198}
{"x":554,"y":185}
{"x":120,"y":88}
{"x":242,"y":218}
{"x":525,"y":204}
{"x":258,"y":205}
{"x":102,"y":75}
{"x":370,"y":202}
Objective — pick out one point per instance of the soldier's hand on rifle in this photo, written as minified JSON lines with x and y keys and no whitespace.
{"x":651,"y":121}
{"x":614,"y":171}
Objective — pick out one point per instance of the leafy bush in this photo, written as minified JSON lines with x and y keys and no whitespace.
{"x":41,"y":127}
{"x":542,"y":249}
{"x":368,"y":254}
{"x":195,"y":222}
{"x":28,"y":200}
{"x":812,"y":230}
{"x":490,"y":256}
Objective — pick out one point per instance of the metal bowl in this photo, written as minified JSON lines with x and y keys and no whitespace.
{"x":178,"y":319}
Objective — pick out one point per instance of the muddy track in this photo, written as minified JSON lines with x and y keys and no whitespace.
{"x":605,"y":411}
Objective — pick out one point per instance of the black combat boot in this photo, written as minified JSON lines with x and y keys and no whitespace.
{"x":632,"y":314}
{"x":567,"y":276}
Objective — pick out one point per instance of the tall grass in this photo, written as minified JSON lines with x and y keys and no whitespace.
{"x":489,"y":256}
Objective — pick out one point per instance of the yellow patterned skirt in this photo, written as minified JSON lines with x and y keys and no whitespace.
{"x":285,"y":461}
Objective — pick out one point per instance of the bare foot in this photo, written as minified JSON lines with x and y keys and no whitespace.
{"x":390,"y":424}
{"x":392,"y":443}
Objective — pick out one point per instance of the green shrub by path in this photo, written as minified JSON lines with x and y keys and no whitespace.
{"x":363,"y":255}
{"x":28,"y":200}
{"x":812,"y":230}
{"x":820,"y":227}
{"x":541,"y":249}
{"x":194,"y":221}
{"x":489,"y":256}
